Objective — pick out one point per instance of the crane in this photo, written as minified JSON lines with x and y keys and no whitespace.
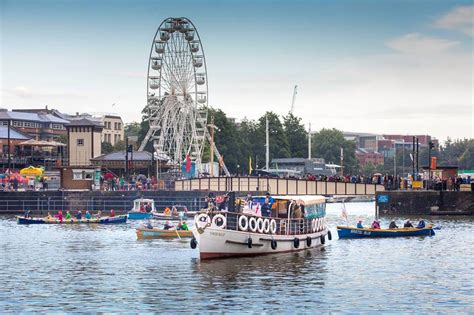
{"x":295,"y":91}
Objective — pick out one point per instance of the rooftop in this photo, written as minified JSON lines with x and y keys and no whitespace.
{"x":36,"y":117}
{"x":85,"y":122}
{"x":14,"y":134}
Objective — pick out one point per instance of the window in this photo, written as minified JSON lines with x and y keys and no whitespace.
{"x":115,"y":125}
{"x":80,"y":142}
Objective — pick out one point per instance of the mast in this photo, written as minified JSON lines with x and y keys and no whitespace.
{"x":267,"y":145}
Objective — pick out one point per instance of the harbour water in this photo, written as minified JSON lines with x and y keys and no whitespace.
{"x":50,"y":268}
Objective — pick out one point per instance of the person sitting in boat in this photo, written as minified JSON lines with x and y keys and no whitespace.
{"x":178,"y":226}
{"x":142,"y":208}
{"x":99,"y":214}
{"x":148,"y":207}
{"x":59,"y":216}
{"x":184,"y":226}
{"x":408,"y":224}
{"x":167,"y":211}
{"x":421,"y":224}
{"x":393,"y":225}
{"x":267,"y":208}
{"x":224,"y":205}
{"x":359,"y":225}
{"x":88,"y":215}
{"x":49,"y":216}
{"x":375,"y":225}
{"x":68,"y":215}
{"x":79,"y":215}
{"x":27,"y":214}
{"x":112,"y":213}
{"x":174,"y":211}
{"x":167,"y":226}
{"x":149,"y":225}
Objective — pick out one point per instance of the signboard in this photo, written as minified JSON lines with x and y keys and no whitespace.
{"x":417,"y":184}
{"x":382,"y":198}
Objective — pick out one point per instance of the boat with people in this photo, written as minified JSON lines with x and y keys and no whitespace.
{"x":264,"y":225}
{"x":354,"y":232}
{"x":142,"y":209}
{"x":68,"y":219}
{"x":176,"y":213}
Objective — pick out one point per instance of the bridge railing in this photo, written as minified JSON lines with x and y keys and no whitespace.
{"x":276,"y":186}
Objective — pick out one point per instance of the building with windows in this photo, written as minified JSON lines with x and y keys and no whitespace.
{"x":84,"y":141}
{"x":113,"y":131}
{"x":39,"y":126}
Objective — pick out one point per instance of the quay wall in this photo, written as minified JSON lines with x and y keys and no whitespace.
{"x":428,"y":202}
{"x":40,"y":202}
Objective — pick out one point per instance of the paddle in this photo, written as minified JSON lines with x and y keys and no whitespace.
{"x":177,"y":234}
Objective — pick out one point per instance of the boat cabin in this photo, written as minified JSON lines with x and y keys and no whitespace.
{"x":143,"y":205}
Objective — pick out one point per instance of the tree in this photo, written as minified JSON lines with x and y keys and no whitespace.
{"x":328,"y":143}
{"x":466,"y":161}
{"x":296,"y":136}
{"x":106,"y":148}
{"x":119,"y":146}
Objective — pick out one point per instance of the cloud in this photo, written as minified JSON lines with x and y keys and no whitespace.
{"x":25,"y":92}
{"x":415,"y":43}
{"x":129,"y":74}
{"x":459,"y":19}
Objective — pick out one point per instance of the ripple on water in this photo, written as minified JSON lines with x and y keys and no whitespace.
{"x":105,"y":269}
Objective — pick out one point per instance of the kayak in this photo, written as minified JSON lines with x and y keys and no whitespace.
{"x":102,"y":220}
{"x":146,"y":233}
{"x":353,"y":232}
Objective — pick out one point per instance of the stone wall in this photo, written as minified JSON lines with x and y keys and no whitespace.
{"x":425,"y":202}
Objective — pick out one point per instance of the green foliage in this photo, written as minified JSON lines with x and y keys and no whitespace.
{"x":119,"y":146}
{"x":327,"y":144}
{"x":296,"y":136}
{"x":106,"y":148}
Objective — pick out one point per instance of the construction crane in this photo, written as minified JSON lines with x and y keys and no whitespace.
{"x":295,"y":91}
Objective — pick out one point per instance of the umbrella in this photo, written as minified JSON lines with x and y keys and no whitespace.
{"x":31,"y":171}
{"x":141,"y":177}
{"x":377,"y":174}
{"x":108,"y":176}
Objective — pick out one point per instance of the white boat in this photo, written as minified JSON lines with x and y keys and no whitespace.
{"x":221,"y":234}
{"x":140,"y":211}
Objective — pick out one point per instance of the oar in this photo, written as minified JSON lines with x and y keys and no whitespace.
{"x":177,"y":234}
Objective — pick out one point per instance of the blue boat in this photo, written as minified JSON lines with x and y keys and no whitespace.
{"x":139,"y":211}
{"x":353,"y":232}
{"x":133,"y":215}
{"x":102,"y":220}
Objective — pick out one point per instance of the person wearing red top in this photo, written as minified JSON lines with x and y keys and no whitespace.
{"x":112,"y":213}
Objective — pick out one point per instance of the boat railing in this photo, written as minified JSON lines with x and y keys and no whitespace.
{"x":283,"y":226}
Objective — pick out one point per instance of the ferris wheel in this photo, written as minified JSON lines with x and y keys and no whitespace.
{"x":177,"y":93}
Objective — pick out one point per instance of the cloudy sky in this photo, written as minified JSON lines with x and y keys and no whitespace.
{"x":370,"y":66}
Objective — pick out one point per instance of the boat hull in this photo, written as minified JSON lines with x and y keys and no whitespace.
{"x":133,"y":215}
{"x":222,"y":243}
{"x":103,"y":220}
{"x":353,"y":232}
{"x":144,"y":233}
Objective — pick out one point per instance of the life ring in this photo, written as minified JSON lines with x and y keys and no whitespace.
{"x":202,"y":220}
{"x":308,"y":241}
{"x":243,"y":223}
{"x":323,"y":240}
{"x":329,"y":235}
{"x":273,"y":226}
{"x":266,"y":226}
{"x":219,"y":218}
{"x":253,"y":224}
{"x":193,"y":243}
{"x":249,"y":242}
{"x":296,"y":242}
{"x":273,"y":244}
{"x":313,"y":225}
{"x":260,"y":224}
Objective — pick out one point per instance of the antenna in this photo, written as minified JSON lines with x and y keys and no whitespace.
{"x":295,"y":91}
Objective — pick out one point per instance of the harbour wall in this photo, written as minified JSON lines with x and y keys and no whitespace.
{"x":40,"y":202}
{"x":428,"y":202}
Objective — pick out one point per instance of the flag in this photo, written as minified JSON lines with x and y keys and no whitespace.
{"x":250,"y":165}
{"x":188,"y":163}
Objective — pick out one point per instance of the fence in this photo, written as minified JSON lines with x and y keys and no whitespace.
{"x":277,"y":186}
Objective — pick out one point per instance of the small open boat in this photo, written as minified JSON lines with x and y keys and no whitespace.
{"x":102,"y":220}
{"x":353,"y":232}
{"x":146,"y":233}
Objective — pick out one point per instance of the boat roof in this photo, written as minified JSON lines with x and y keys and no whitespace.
{"x":144,"y":200}
{"x":305,"y":199}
